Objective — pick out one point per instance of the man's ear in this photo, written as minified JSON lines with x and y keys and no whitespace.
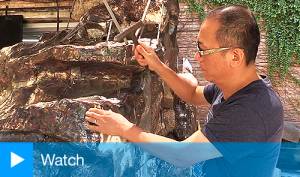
{"x":237,"y":57}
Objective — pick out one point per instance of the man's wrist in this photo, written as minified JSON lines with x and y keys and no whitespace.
{"x":160,"y":69}
{"x":127,"y":132}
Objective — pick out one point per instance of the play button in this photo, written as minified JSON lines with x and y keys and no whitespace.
{"x":15,"y":159}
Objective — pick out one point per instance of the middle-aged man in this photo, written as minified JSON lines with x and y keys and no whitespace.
{"x":244,"y":109}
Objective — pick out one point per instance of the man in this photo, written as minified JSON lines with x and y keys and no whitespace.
{"x":243,"y":106}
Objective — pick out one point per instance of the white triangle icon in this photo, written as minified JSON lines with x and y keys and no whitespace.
{"x":15,"y":159}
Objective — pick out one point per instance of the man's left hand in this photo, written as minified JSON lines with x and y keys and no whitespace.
{"x":107,"y":122}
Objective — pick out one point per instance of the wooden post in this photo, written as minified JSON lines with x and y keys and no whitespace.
{"x":57,"y":18}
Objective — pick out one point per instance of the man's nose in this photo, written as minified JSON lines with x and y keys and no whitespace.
{"x":198,"y":57}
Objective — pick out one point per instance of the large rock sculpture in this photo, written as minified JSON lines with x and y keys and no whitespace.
{"x":46,"y":87}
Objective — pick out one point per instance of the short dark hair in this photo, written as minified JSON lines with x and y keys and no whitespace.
{"x":238,"y":28}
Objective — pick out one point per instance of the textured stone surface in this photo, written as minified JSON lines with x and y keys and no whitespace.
{"x":185,"y":124}
{"x":62,"y":120}
{"x":124,"y":10}
{"x":46,"y":87}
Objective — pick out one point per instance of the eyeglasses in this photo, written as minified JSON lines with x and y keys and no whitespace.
{"x":208,"y":51}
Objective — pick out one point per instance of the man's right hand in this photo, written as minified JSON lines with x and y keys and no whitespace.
{"x":185,"y":87}
{"x":146,"y":56}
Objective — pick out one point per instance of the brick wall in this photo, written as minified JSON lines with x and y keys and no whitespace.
{"x":188,"y":28}
{"x":187,"y":33}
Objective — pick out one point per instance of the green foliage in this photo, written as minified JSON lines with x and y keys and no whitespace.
{"x":196,"y":7}
{"x":282,"y":24}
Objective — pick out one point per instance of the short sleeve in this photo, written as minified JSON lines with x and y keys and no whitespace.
{"x":210,"y":91}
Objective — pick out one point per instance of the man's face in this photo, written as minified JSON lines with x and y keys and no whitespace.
{"x":214,"y":66}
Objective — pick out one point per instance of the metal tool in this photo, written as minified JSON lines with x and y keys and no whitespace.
{"x":129,"y":32}
{"x":140,"y":31}
{"x":112,"y":15}
{"x":109,"y":30}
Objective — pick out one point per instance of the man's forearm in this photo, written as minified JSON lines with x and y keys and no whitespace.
{"x":137,"y":135}
{"x":197,"y":146}
{"x":182,"y":88}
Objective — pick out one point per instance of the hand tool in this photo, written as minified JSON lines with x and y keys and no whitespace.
{"x":112,"y":15}
{"x":131,"y":30}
